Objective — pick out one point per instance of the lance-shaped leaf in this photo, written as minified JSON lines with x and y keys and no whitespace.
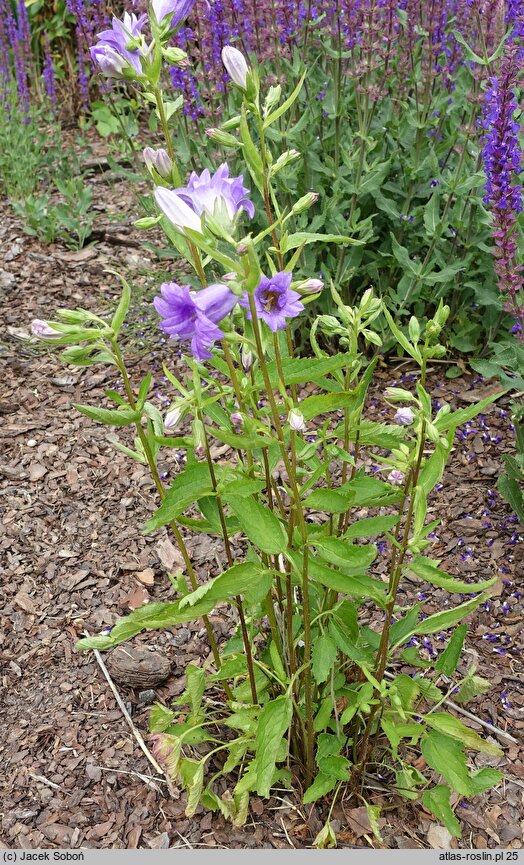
{"x":426,"y":570}
{"x":259,"y":523}
{"x":191,"y":484}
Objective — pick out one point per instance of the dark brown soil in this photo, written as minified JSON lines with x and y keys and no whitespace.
{"x":73,"y":559}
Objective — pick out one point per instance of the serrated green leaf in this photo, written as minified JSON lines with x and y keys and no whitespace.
{"x":246,"y":578}
{"x":436,"y":801}
{"x":454,"y":419}
{"x":448,"y":660}
{"x":323,"y":657}
{"x":370,"y":527}
{"x":446,"y":756}
{"x":426,"y":570}
{"x":451,"y":726}
{"x":322,"y":785}
{"x":113,"y":417}
{"x":259,"y":523}
{"x":188,"y":486}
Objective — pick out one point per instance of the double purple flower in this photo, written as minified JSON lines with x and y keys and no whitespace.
{"x":275,"y":301}
{"x":111,"y":53}
{"x":190,"y":315}
{"x":217,"y":195}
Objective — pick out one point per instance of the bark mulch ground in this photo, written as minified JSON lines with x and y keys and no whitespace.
{"x":73,"y":559}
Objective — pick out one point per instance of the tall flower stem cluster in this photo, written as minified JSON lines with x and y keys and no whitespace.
{"x":503,"y":160}
{"x":298,"y":688}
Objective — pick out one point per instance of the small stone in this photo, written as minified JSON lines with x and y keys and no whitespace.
{"x":146,"y":697}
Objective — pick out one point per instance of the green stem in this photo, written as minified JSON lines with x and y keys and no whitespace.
{"x":162,"y":493}
{"x":300,"y":517}
{"x":165,"y":129}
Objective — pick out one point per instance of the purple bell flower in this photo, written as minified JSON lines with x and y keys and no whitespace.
{"x":110,"y":52}
{"x":275,"y":301}
{"x":217,"y":194}
{"x":179,"y":9}
{"x":194,"y":315}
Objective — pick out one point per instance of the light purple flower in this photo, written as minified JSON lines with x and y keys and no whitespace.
{"x":111,"y":53}
{"x":194,"y":315}
{"x":404,"y":416}
{"x":159,"y":160}
{"x":275,"y":301}
{"x":179,"y":9}
{"x":217,"y":194}
{"x":43,"y":330}
{"x":395,"y":477}
{"x":177,"y":211}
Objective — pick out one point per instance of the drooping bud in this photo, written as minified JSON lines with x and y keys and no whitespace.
{"x":158,"y":160}
{"x":296,"y":420}
{"x":198,"y":438}
{"x":247,"y":359}
{"x":404,"y":416}
{"x":396,"y":477}
{"x":43,"y":330}
{"x":236,"y":66}
{"x":171,"y":420}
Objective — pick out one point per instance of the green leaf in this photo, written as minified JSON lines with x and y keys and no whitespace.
{"x":359,"y":586}
{"x":299,"y":370}
{"x":484,"y":779}
{"x":329,"y":501}
{"x":448,"y":618}
{"x":451,"y":726}
{"x":335,"y":766}
{"x":436,"y":801}
{"x":370,"y":527}
{"x":456,"y":418}
{"x":432,"y":214}
{"x":326,"y":403}
{"x":278,"y":112}
{"x":149,"y":617}
{"x":248,"y":442}
{"x":349,"y":557}
{"x":511,"y":491}
{"x":322,"y":785}
{"x":303,"y":238}
{"x":195,"y":686}
{"x":448,"y":660}
{"x":323,"y":657}
{"x":357,"y":654}
{"x":472,"y":686}
{"x":114,"y":417}
{"x":242,"y":486}
{"x":259,"y":523}
{"x":194,"y":787}
{"x":123,"y":306}
{"x":446,"y":756}
{"x":273,"y":725}
{"x":188,"y":486}
{"x":246,"y":578}
{"x":434,"y":467}
{"x":426,"y":570}
{"x":410,"y":349}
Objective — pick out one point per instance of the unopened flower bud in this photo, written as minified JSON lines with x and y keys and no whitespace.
{"x":43,"y":330}
{"x":305,"y":202}
{"x":236,"y":418}
{"x":404,"y":416}
{"x":310,"y":286}
{"x":198,"y":438}
{"x":296,"y":420}
{"x":396,"y":477}
{"x":159,"y":160}
{"x":171,"y":420}
{"x":236,"y":66}
{"x":242,"y":249}
{"x":230,"y":277}
{"x":247,"y":359}
{"x":222,"y":137}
